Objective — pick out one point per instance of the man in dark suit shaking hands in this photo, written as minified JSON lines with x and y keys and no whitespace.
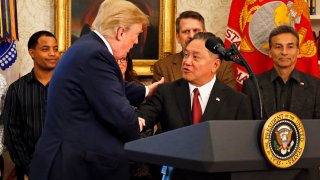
{"x":199,"y":96}
{"x":89,"y":115}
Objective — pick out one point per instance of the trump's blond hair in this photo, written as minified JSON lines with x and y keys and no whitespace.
{"x":113,"y":14}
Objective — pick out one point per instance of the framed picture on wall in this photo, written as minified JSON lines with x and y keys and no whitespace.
{"x":74,"y":18}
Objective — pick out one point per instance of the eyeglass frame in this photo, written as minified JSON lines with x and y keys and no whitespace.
{"x":122,"y":60}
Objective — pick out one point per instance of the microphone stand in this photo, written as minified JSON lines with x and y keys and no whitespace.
{"x":234,"y":55}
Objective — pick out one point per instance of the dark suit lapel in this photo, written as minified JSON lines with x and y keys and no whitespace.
{"x":268,"y":95}
{"x":182,"y":93}
{"x":298,"y":97}
{"x":217,"y":96}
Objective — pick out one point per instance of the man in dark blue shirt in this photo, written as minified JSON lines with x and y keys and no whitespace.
{"x":25,"y":104}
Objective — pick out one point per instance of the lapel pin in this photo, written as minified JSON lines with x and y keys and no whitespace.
{"x":302,"y":83}
{"x":217,"y":99}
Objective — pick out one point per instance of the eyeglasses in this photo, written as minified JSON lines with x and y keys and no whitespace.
{"x":122,"y":60}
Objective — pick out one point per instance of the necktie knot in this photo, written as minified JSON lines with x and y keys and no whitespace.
{"x":196,"y":107}
{"x":196,"y":92}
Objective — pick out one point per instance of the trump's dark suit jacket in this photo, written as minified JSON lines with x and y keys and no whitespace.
{"x":171,"y":105}
{"x":305,"y":98}
{"x":89,"y":117}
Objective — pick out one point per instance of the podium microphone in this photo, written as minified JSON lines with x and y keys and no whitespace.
{"x":233,"y":54}
{"x":217,"y":47}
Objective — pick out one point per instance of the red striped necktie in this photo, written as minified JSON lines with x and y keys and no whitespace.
{"x":196,"y":107}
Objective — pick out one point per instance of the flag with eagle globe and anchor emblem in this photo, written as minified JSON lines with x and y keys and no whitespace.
{"x":250,"y":23}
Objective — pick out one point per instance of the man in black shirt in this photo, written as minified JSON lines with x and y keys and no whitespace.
{"x":25,"y":103}
{"x":284,"y":88}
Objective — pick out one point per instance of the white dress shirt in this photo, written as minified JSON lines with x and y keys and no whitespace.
{"x":205,"y":91}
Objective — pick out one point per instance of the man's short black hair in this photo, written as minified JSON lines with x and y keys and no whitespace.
{"x":208,"y":35}
{"x":33,"y":40}
{"x":281,"y":30}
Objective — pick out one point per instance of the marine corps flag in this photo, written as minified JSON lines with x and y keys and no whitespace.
{"x":250,"y":23}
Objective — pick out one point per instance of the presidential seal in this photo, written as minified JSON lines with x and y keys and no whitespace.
{"x":283,"y":139}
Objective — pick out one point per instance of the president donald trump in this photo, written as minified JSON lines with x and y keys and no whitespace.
{"x":89,"y":113}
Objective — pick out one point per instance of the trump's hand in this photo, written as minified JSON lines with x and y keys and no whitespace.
{"x":142,"y":123}
{"x":152,"y":88}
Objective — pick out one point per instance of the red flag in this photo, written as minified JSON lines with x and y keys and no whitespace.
{"x":250,"y":23}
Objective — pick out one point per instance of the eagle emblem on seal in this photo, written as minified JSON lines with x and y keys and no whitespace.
{"x":283,"y":137}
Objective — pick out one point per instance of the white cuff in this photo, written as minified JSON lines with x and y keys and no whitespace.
{"x":147,"y":91}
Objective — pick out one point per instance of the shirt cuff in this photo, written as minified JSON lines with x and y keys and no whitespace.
{"x":147,"y":91}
